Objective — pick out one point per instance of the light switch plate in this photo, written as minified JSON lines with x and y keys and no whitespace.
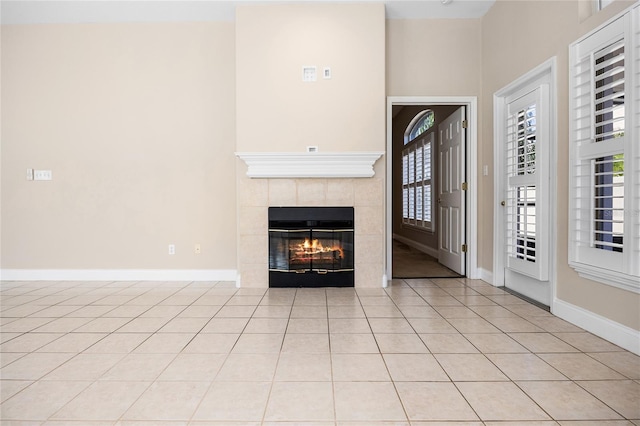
{"x":42,"y":175}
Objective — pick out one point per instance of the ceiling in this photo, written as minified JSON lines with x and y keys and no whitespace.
{"x":88,"y":11}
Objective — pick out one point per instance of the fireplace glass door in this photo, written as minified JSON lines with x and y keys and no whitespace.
{"x":308,"y":251}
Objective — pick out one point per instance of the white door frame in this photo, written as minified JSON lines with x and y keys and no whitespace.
{"x":543,"y":73}
{"x":471,"y":103}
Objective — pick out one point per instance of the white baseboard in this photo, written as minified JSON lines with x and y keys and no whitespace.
{"x":614,"y":332}
{"x":418,"y":246}
{"x":486,"y":276}
{"x":118,"y":274}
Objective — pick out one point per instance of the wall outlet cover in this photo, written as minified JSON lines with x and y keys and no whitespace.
{"x":42,"y":175}
{"x":309,"y":74}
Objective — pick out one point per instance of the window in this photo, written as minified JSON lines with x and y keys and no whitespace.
{"x":420,"y":124}
{"x":604,"y":242}
{"x":417,"y":172}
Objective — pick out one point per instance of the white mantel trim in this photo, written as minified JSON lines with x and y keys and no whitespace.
{"x":310,"y":165}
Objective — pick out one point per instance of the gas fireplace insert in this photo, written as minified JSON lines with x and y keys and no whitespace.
{"x":311,"y":247}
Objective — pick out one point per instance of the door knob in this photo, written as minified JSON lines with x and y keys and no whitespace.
{"x":502,"y":203}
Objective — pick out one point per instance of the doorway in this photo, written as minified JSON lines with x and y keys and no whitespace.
{"x":467,"y":225}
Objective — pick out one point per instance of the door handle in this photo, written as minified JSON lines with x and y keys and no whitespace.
{"x":502,"y":203}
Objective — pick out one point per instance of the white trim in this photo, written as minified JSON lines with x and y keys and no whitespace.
{"x":310,"y":165}
{"x":471,"y":103}
{"x":118,"y":274}
{"x":416,"y":245}
{"x":544,"y":73}
{"x":486,"y":276}
{"x":601,"y":4}
{"x":385,"y":281}
{"x":606,"y":276}
{"x":616,"y":333}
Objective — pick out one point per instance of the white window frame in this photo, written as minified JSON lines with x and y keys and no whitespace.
{"x":414,"y":123}
{"x":601,"y":4}
{"x":409,"y":218}
{"x":618,"y":269}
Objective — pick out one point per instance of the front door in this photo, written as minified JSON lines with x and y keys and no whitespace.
{"x":451,"y":199}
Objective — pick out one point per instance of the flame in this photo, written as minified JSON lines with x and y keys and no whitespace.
{"x":311,"y":247}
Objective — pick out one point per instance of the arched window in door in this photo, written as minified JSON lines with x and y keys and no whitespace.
{"x":422,"y":122}
{"x":417,"y":182}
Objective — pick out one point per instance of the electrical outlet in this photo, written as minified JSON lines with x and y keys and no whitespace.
{"x":196,"y":249}
{"x":172,"y":249}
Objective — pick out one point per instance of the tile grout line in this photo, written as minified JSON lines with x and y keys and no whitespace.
{"x":226,"y":357}
{"x":151,"y":382}
{"x":275,"y":370}
{"x":446,"y":372}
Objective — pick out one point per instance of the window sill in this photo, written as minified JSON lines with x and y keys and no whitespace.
{"x":604,"y":276}
{"x":424,"y":229}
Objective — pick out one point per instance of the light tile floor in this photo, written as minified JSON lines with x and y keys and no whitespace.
{"x":421,"y":352}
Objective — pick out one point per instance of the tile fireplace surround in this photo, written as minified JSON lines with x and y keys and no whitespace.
{"x":256,"y":195}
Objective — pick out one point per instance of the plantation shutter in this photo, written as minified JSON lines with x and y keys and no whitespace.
{"x":427,"y":179}
{"x":417,"y":182}
{"x":527,"y":185}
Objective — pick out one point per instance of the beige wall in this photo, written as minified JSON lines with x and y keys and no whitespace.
{"x":433,"y":57}
{"x":136,"y":121}
{"x":276,"y":110}
{"x":555,"y":25}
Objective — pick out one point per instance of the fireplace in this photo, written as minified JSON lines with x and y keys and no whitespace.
{"x":311,"y":247}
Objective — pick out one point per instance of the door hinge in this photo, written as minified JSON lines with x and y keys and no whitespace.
{"x":464,"y":248}
{"x":464,"y":186}
{"x":465,"y":124}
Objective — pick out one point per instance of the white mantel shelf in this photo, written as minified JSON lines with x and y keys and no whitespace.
{"x":268,"y":165}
